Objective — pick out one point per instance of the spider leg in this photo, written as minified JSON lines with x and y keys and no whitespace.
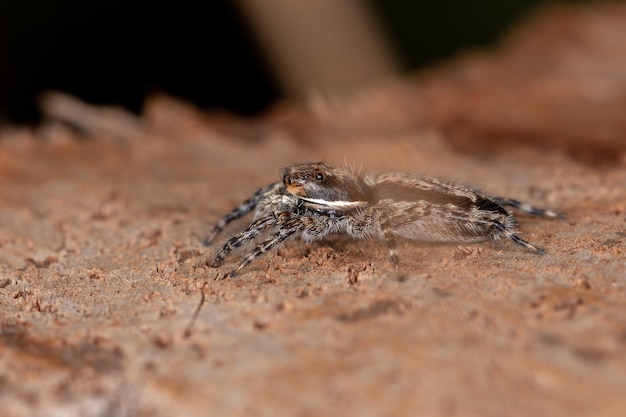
{"x":288,"y":225}
{"x":241,"y":210}
{"x":286,"y":230}
{"x":360,"y":226}
{"x":509,"y":234}
{"x":527,"y":208}
{"x":390,"y":241}
{"x":242,"y":238}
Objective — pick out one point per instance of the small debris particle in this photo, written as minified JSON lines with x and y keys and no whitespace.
{"x":260,"y":325}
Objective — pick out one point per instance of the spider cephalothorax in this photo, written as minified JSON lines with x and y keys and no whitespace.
{"x":316,"y":199}
{"x":320,"y":181}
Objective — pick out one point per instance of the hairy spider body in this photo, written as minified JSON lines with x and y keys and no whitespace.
{"x":316,"y":199}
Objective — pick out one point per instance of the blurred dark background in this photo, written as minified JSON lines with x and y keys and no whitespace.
{"x":117,"y":52}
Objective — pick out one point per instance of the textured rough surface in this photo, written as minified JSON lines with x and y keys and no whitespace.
{"x":102,"y":266}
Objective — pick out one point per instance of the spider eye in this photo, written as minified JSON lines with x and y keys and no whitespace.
{"x":319,"y":176}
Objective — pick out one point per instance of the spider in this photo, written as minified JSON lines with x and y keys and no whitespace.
{"x":317,"y":199}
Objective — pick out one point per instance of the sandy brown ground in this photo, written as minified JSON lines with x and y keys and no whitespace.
{"x":101,"y":261}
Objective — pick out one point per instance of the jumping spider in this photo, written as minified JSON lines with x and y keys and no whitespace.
{"x":316,"y":199}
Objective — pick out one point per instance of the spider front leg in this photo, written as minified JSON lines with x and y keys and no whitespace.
{"x":243,"y":209}
{"x":243,"y":238}
{"x":288,"y":225}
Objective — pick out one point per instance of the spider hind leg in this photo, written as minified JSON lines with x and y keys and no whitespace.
{"x":527,"y":208}
{"x":508,"y":232}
